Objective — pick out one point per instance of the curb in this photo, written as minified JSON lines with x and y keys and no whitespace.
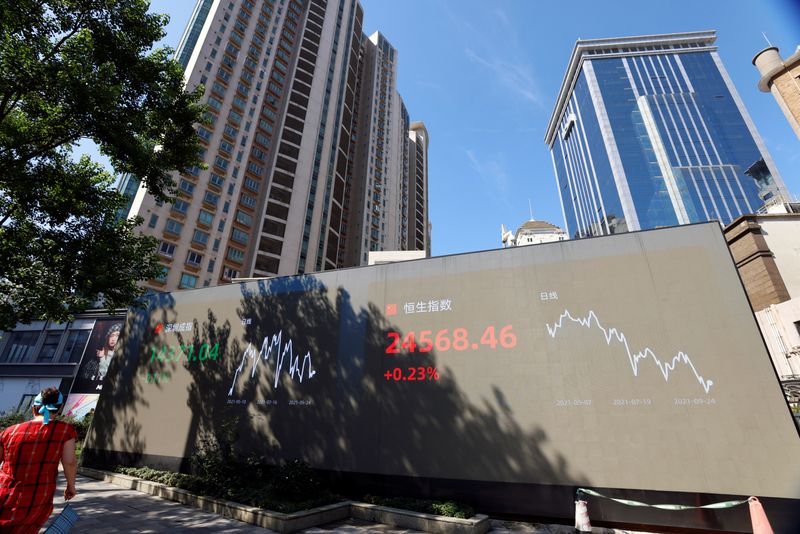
{"x":285,"y":523}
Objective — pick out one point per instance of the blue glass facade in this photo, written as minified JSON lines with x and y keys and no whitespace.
{"x":192,"y":33}
{"x":653,"y":134}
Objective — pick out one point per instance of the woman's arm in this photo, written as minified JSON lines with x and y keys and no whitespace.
{"x":70,"y":464}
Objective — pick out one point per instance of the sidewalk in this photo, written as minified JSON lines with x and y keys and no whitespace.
{"x":105,"y":508}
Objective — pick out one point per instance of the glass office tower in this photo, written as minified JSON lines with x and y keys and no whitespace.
{"x":649,"y":132}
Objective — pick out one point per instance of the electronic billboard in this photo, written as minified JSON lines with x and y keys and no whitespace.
{"x":631,"y":363}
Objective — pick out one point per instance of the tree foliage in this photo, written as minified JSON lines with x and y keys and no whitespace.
{"x":72,"y":70}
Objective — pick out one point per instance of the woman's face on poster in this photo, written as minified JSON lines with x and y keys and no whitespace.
{"x":112,"y":340}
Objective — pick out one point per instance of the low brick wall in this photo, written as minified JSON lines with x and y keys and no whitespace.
{"x":296,"y":521}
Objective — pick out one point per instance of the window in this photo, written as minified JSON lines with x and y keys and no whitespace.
{"x":74,"y":346}
{"x":226,"y":206}
{"x":186,"y":187}
{"x":193,"y":258}
{"x":234,"y":254}
{"x":797,"y":326}
{"x":188,"y":281}
{"x":230,"y":131}
{"x":235,"y":117}
{"x":166,"y":249}
{"x":214,"y":103}
{"x":48,"y":351}
{"x":153,"y":221}
{"x":229,"y":273}
{"x":255,"y":169}
{"x":239,"y":236}
{"x":221,"y":225}
{"x":174,"y":227}
{"x":205,"y":217}
{"x":200,"y":237}
{"x":231,"y":187}
{"x":265,"y":125}
{"x":216,"y":245}
{"x":216,"y":179}
{"x":223,"y":74}
{"x":248,"y":201}
{"x":262,"y":139}
{"x":211,"y":198}
{"x":202,"y":133}
{"x":221,"y":162}
{"x":239,"y":103}
{"x":211,"y":264}
{"x":225,"y":146}
{"x":251,"y":184}
{"x":180,"y":206}
{"x":243,"y":218}
{"x":19,"y":347}
{"x":218,"y":89}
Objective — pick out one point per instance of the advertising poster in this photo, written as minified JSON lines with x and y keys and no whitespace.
{"x":100,"y":351}
{"x":79,"y":405}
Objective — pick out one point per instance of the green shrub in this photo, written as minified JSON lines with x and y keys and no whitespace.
{"x":81,"y":425}
{"x":10,"y":419}
{"x":294,"y":481}
{"x":447,"y":508}
{"x":263,"y":492}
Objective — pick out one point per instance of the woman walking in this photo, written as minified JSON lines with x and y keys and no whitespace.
{"x":30,"y":453}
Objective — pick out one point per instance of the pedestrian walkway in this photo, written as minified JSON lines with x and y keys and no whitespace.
{"x":105,"y":508}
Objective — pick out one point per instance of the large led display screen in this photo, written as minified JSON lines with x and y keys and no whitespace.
{"x":629,"y":361}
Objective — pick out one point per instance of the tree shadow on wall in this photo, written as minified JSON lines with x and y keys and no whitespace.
{"x":116,"y":435}
{"x":306,"y":382}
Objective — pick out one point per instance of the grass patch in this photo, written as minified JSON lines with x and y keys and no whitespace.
{"x":446,"y":508}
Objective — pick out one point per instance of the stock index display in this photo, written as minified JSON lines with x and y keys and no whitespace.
{"x":631,"y":361}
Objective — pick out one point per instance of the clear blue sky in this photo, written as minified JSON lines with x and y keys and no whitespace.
{"x":483,"y":76}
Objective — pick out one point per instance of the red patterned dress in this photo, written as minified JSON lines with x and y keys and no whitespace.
{"x":31,"y":452}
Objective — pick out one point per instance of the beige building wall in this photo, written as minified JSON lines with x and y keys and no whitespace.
{"x":780,"y":324}
{"x":782,"y":237}
{"x":286,"y":88}
{"x":782,"y":79}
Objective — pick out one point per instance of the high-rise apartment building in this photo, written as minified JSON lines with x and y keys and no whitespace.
{"x":782,"y":79}
{"x":306,"y":146}
{"x":649,"y":132}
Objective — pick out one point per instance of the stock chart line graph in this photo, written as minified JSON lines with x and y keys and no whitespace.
{"x":297,"y":370}
{"x":610,"y":334}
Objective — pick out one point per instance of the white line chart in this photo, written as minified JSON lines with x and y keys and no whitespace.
{"x":634,"y":358}
{"x":297,"y":370}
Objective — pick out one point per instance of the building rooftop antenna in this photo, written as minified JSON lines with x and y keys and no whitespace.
{"x":530,"y":208}
{"x":766,"y":38}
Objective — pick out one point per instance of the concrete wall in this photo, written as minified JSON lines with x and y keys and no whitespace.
{"x":778,"y":324}
{"x":782,"y":236}
{"x":12,"y":390}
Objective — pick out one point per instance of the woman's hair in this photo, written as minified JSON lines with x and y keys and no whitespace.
{"x":49,"y":396}
{"x":115,"y":329}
